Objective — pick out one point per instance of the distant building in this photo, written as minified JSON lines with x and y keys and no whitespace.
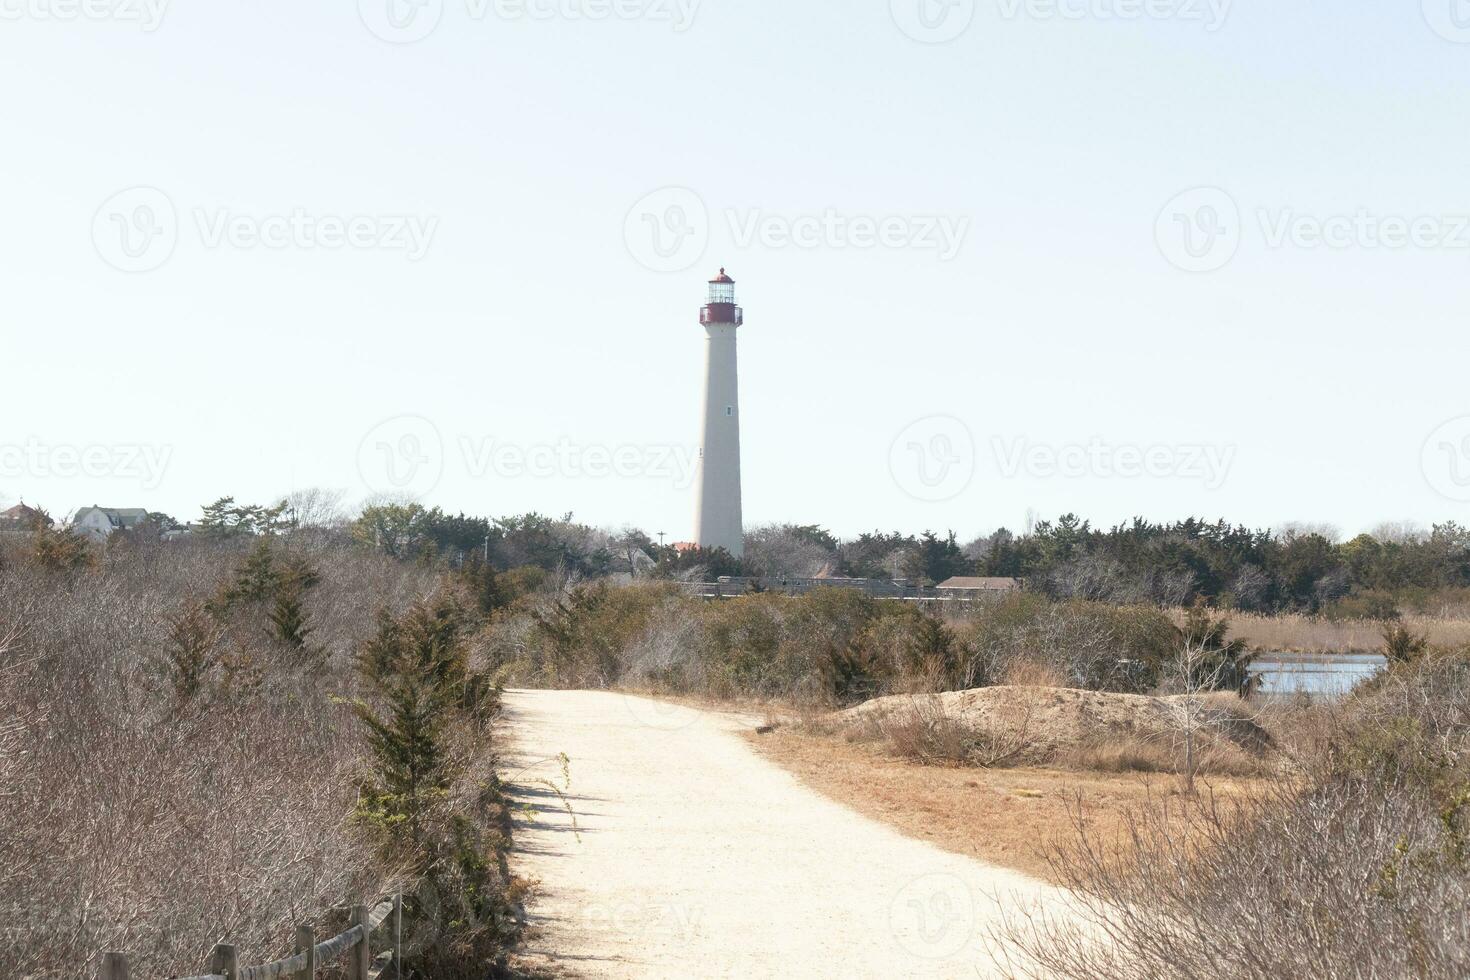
{"x":179,"y":533}
{"x":98,"y":523}
{"x":22,"y":518}
{"x":971,"y":587}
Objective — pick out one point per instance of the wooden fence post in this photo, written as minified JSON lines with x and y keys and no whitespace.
{"x":360,"y":957}
{"x":306,"y":943}
{"x":398,"y":936}
{"x":225,"y":962}
{"x":114,"y":966}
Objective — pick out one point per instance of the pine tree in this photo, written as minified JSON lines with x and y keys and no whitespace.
{"x":256,"y":579}
{"x":288,"y":616}
{"x":193,"y":637}
{"x":414,"y":768}
{"x":417,"y":666}
{"x":484,"y":584}
{"x":288,"y":610}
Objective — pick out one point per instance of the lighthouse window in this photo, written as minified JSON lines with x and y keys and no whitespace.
{"x":729,"y":411}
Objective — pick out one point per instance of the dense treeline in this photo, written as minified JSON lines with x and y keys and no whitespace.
{"x":1140,"y":562}
{"x":1174,"y":564}
{"x":1395,"y":568}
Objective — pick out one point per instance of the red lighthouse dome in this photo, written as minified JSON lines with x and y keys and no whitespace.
{"x":721,"y":306}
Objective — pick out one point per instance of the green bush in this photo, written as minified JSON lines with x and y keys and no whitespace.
{"x":463,"y":910}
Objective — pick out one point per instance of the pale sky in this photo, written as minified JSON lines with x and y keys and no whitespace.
{"x":1115,"y":257}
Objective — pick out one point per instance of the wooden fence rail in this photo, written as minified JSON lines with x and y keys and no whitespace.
{"x":224,"y":963}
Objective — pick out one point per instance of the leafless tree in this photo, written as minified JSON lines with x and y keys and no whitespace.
{"x":777,"y":551}
{"x":316,"y":507}
{"x":1192,"y":674}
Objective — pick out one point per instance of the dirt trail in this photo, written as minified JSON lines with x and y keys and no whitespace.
{"x":698,"y":858}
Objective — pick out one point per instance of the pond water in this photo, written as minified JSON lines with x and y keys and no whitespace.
{"x":1314,"y":675}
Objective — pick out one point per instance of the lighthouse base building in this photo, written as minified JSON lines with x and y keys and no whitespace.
{"x":718,"y":522}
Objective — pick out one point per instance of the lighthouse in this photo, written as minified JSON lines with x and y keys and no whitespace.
{"x":717,"y":521}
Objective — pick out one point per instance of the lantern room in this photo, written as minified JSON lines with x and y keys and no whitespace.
{"x":721,"y":307}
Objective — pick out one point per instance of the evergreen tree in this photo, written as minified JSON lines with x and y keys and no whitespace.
{"x":484,"y":584}
{"x":416,"y":664}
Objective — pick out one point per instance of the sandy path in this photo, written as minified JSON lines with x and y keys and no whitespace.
{"x":697,"y":858}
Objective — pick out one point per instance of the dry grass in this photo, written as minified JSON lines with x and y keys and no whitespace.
{"x":1006,"y":817}
{"x":1294,"y":633}
{"x":1059,"y":727}
{"x":1122,"y":755}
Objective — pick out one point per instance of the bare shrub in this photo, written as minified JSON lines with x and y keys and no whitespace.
{"x":1358,"y":866}
{"x":926,"y":734}
{"x":1023,"y":672}
{"x":127,"y":823}
{"x":923,"y":731}
{"x":1094,"y":646}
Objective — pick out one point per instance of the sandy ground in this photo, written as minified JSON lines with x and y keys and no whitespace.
{"x":1007,"y":817}
{"x":698,"y":858}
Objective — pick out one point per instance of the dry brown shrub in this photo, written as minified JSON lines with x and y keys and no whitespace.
{"x":1033,"y":673}
{"x":131,"y":821}
{"x":1355,"y":867}
{"x":922,"y":730}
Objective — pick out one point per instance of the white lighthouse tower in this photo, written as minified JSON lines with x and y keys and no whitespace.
{"x":717,"y":522}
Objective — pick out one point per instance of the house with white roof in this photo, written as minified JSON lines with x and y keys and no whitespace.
{"x":98,"y":523}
